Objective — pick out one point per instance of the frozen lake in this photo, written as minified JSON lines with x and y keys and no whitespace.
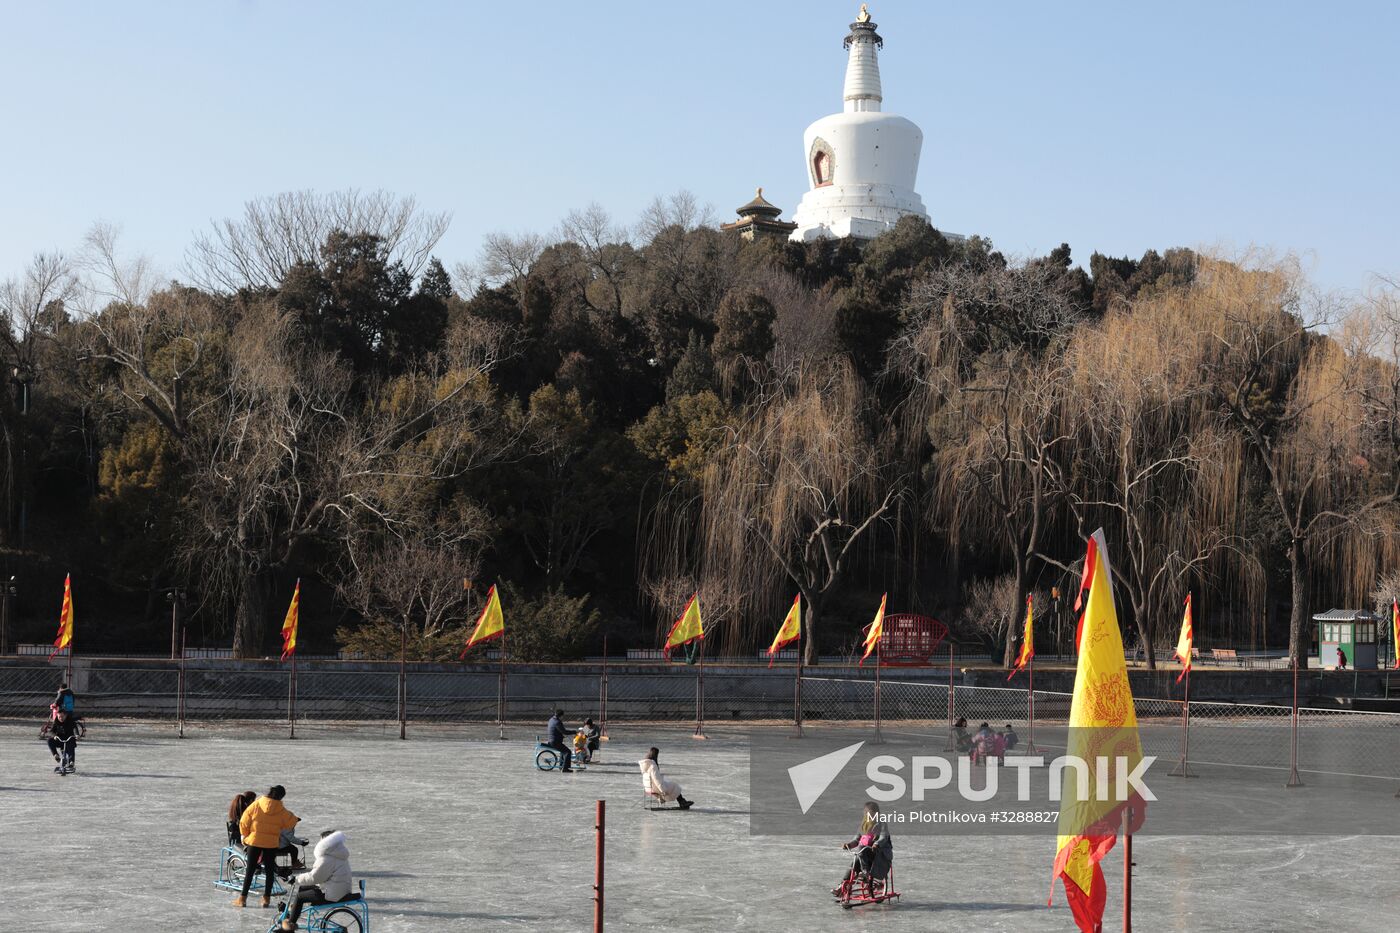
{"x":460,"y":832}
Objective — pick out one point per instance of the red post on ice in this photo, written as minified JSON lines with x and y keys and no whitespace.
{"x":599,"y":825}
{"x":181,"y":692}
{"x":1127,"y":869}
{"x":403,"y":682}
{"x":1293,"y":779}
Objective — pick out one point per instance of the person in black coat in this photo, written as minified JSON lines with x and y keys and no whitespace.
{"x":63,"y":733}
{"x":556,"y":739}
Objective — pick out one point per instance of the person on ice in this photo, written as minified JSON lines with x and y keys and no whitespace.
{"x":959,"y":736}
{"x":1010,"y":736}
{"x":658,"y":785}
{"x":63,"y":700}
{"x":873,"y":847}
{"x":592,"y":733}
{"x":328,"y":880}
{"x":63,"y":733}
{"x":556,"y":739}
{"x":581,"y":747}
{"x":261,"y":827}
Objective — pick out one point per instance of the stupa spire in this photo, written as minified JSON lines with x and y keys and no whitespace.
{"x":862,"y":91}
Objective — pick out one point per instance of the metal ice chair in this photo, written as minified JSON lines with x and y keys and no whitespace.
{"x":350,"y":915}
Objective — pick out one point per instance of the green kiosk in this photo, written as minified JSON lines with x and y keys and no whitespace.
{"x":1352,"y":631}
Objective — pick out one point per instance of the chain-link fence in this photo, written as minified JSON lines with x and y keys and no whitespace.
{"x":1338,"y":742}
{"x":389,"y":700}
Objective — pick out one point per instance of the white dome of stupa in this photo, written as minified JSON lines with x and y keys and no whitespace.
{"x":861,"y":163}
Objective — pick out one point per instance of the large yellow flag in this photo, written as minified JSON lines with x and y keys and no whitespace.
{"x":789,"y":631}
{"x":1103,"y":726}
{"x":289,"y":624}
{"x":1184,"y":640}
{"x":490,"y":624}
{"x":1395,"y":630}
{"x":1027,"y":640}
{"x":65,"y":619}
{"x":872,"y":634}
{"x":687,"y":628}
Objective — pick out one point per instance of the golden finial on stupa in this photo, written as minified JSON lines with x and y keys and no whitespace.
{"x":864,"y":15}
{"x":760,"y":191}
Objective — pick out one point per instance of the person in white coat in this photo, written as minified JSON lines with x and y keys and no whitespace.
{"x":658,"y":785}
{"x":328,"y":880}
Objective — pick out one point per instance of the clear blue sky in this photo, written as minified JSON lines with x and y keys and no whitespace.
{"x":1112,"y":126}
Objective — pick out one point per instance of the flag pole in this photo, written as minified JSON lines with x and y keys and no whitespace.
{"x":292,"y":697}
{"x":700,"y":695}
{"x":1183,"y":768}
{"x":879,"y":657}
{"x":181,"y":693}
{"x":501,"y":691}
{"x":1030,"y":706}
{"x":1128,"y":869}
{"x":950,"y":745}
{"x":797,"y":684}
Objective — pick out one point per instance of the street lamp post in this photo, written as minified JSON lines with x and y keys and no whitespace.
{"x":174,"y":596}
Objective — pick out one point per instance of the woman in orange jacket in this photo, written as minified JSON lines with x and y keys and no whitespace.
{"x":261,"y":827}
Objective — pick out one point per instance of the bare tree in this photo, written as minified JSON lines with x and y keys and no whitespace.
{"x":605,"y":249}
{"x":801,"y":482}
{"x":508,"y":259}
{"x":1289,"y":392}
{"x":1152,"y":460}
{"x":992,"y":410}
{"x":276,"y":233}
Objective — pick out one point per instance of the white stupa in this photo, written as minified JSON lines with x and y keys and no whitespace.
{"x":861,"y":163}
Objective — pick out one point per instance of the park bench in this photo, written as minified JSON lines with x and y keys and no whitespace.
{"x":1223,"y":655}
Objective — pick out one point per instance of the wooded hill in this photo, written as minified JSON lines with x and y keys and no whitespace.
{"x":606,"y":420}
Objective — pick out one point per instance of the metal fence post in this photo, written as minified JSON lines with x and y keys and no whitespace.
{"x":603,"y":696}
{"x":403,"y":683}
{"x":180,"y":690}
{"x":1293,"y":779}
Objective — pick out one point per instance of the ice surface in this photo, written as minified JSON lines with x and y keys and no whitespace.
{"x":462,"y":833}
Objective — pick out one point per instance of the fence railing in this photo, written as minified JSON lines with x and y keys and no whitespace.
{"x":385,"y":699}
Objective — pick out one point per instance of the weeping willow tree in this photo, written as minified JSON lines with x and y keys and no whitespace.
{"x":1303,"y":406}
{"x":786,"y":500}
{"x":984,"y":408}
{"x":1153,"y":462}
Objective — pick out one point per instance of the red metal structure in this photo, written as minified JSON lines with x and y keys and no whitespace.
{"x":910,"y":640}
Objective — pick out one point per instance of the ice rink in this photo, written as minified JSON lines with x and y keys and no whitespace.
{"x":460,"y":832}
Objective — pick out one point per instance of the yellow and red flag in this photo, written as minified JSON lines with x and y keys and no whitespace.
{"x":65,"y":619}
{"x":289,"y":624}
{"x":1395,"y":630}
{"x":688,"y":628}
{"x":873,"y":633}
{"x":1027,"y":640}
{"x":1103,"y":731}
{"x":789,"y":631}
{"x":1183,"y":642}
{"x":490,"y":624}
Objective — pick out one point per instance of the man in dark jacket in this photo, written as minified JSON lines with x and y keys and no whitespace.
{"x":63,"y":733}
{"x":556,"y":739}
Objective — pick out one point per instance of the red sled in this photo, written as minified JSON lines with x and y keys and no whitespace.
{"x":860,"y":889}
